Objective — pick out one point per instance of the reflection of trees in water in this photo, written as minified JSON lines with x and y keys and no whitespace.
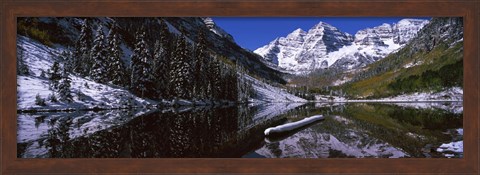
{"x":58,"y":138}
{"x":200,"y":133}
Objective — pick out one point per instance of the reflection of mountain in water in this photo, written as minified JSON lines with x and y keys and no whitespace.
{"x":324,"y":141}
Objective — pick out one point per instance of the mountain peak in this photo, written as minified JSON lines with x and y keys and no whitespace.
{"x":385,"y":25}
{"x":409,"y":21}
{"x":297,"y":33}
{"x":299,"y":30}
{"x":322,"y":24}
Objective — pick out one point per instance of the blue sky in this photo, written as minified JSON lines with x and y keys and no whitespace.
{"x":254,"y":32}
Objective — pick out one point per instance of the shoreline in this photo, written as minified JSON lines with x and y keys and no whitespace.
{"x":43,"y":110}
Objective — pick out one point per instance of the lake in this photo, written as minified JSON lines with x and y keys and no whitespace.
{"x":349,"y":130}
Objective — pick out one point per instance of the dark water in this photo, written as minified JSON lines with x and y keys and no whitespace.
{"x":349,"y":130}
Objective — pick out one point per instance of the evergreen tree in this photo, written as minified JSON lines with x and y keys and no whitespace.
{"x":99,"y":71}
{"x":39,"y":100}
{"x":67,"y":57}
{"x":161,"y":63}
{"x":140,"y":78}
{"x":200,"y":60}
{"x":214,"y":76}
{"x":22,"y":68}
{"x":52,"y":98}
{"x":147,"y":79}
{"x":54,"y":75}
{"x":180,"y":72}
{"x":228,"y":83}
{"x":63,"y":56}
{"x":116,"y":69}
{"x":244,"y":87}
{"x":64,"y":87}
{"x":160,"y":69}
{"x":82,"y":61}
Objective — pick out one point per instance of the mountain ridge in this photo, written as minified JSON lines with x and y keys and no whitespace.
{"x":325,"y":46}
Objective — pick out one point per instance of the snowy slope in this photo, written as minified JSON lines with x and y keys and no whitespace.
{"x":325,"y":46}
{"x":89,"y":94}
{"x":86,"y":93}
{"x":268,"y":93}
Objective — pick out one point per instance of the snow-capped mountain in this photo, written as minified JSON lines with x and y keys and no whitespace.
{"x":324,"y":46}
{"x":296,"y":51}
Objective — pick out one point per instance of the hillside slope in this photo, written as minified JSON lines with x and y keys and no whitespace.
{"x":88,"y":94}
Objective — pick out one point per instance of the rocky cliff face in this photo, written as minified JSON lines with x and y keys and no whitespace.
{"x":217,"y":30}
{"x":448,"y":30}
{"x":325,"y":46}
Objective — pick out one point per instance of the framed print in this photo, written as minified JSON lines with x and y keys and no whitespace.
{"x":239,"y":87}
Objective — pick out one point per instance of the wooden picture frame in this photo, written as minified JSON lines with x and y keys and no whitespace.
{"x":10,"y":10}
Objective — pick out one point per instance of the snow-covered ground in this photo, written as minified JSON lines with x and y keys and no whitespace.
{"x":453,"y":147}
{"x":412,"y":64}
{"x":341,"y":81}
{"x":454,"y":94}
{"x":87,"y":94}
{"x":451,"y":94}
